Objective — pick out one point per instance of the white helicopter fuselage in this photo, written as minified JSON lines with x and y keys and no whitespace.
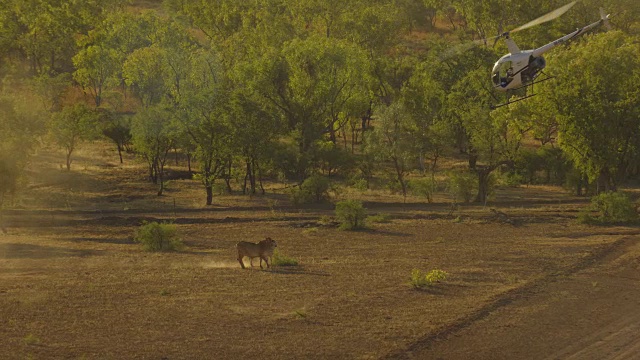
{"x":520,"y":68}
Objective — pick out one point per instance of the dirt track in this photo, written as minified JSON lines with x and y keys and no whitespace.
{"x":593,"y":313}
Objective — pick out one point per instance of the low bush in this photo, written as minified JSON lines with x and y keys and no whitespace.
{"x":420,"y":280}
{"x":423,"y":187}
{"x":280,"y":259}
{"x":156,"y":236}
{"x":463,"y":186}
{"x":610,"y":208}
{"x":351,"y":215}
{"x":379,"y":218}
{"x":313,"y":189}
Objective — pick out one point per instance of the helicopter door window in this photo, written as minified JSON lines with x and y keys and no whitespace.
{"x":504,"y":74}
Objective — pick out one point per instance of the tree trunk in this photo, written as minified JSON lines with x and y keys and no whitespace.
{"x":69,"y":161}
{"x":209,"y":194}
{"x":483,"y":185}
{"x":120,"y":152}
{"x":604,"y":182}
{"x":227,"y":179}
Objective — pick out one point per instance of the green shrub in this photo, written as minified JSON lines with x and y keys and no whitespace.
{"x":611,"y":207}
{"x":31,"y":340}
{"x":417,"y":279}
{"x":360,"y":184}
{"x":463,"y":185}
{"x":379,"y":218}
{"x":156,"y":236}
{"x":313,"y":189}
{"x":351,"y":215}
{"x":420,"y":280}
{"x":435,"y":276}
{"x":423,"y":187}
{"x":280,"y":259}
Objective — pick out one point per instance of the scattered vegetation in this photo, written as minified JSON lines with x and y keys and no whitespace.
{"x":280,"y":259}
{"x":462,"y":186}
{"x":424,"y":187}
{"x":379,"y":218}
{"x":351,"y":214}
{"x":31,"y":340}
{"x":310,"y":231}
{"x":156,"y":236}
{"x":421,"y":280}
{"x":314,"y":189}
{"x":610,"y":208}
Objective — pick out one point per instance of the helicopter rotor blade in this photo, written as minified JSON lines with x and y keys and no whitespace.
{"x":546,"y":17}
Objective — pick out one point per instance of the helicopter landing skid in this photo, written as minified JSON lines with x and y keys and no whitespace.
{"x":509,"y":101}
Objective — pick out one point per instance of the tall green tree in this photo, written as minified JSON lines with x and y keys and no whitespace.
{"x":309,"y":82}
{"x":95,"y":65}
{"x":71,"y":126}
{"x":391,"y":141}
{"x":597,"y":104}
{"x":20,"y":130}
{"x":153,"y":137}
{"x":203,"y":113}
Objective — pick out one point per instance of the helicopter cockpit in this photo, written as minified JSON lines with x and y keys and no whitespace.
{"x":502,"y":73}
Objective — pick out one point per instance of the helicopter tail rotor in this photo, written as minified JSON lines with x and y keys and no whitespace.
{"x":604,"y":17}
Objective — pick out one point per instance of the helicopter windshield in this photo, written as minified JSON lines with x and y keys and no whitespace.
{"x":502,"y":73}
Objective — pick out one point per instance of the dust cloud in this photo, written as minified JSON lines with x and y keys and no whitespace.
{"x":220,"y":264}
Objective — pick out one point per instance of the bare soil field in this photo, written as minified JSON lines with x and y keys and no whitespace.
{"x":532,"y":283}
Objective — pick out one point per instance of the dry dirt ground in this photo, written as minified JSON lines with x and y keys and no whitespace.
{"x":533,"y":284}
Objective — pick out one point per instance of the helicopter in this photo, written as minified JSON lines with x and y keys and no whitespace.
{"x":521,"y":68}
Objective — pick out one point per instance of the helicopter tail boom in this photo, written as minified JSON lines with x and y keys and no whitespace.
{"x":604,"y":19}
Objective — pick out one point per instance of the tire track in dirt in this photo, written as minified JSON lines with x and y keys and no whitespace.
{"x":618,"y":340}
{"x":603,"y":255}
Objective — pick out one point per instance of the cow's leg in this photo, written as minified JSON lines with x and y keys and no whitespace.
{"x":240,"y":261}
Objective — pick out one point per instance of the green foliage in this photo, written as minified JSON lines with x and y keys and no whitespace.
{"x":333,"y":158}
{"x":360,"y":184}
{"x":597,"y":107}
{"x":156,"y":236}
{"x":423,"y":187}
{"x":379,"y":218}
{"x":71,"y":126}
{"x":462,"y":185}
{"x":351,"y":214}
{"x":31,"y":339}
{"x":544,"y":165}
{"x":313,"y":190}
{"x":280,"y":259}
{"x":20,"y":128}
{"x":392,"y":141}
{"x":420,"y":280}
{"x":611,"y":208}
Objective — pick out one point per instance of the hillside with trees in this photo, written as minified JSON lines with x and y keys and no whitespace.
{"x":362,"y":92}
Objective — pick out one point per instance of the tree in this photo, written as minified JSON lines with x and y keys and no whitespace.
{"x":95,"y":65}
{"x":152,"y":134}
{"x":145,"y":70}
{"x":202,"y":112}
{"x":492,"y":138}
{"x":117,"y":128}
{"x":254,"y":132}
{"x":598,"y":105}
{"x":391,"y":141}
{"x":71,"y":126}
{"x":20,"y":129}
{"x":309,"y":82}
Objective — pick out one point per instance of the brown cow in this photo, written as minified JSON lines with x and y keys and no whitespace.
{"x":263,"y":250}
